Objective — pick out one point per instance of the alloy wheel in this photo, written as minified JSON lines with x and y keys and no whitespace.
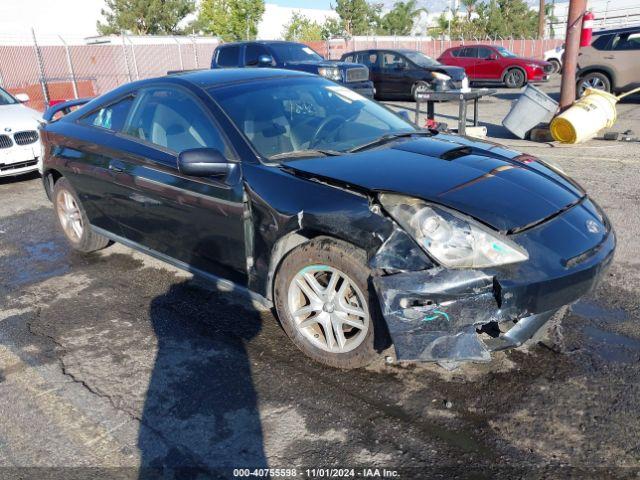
{"x":514,"y":78}
{"x":592,"y":82}
{"x":328,"y":308}
{"x":70,"y":216}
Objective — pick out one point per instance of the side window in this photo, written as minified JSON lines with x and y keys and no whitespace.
{"x":111,"y":117}
{"x":252,"y":54}
{"x":229,"y":56}
{"x":601,"y":42}
{"x":484,"y":52}
{"x":348,"y":59}
{"x":456,"y":53}
{"x":471,"y":52}
{"x":171,"y":118}
{"x":628,"y":41}
{"x":393,"y":61}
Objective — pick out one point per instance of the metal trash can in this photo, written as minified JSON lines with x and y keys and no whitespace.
{"x":530,"y":109}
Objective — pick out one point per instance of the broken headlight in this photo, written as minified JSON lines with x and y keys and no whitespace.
{"x":452,"y":239}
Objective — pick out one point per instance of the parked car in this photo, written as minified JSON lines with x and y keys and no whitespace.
{"x":555,"y":57}
{"x":292,"y":56}
{"x":352,"y":221}
{"x":611,"y":62}
{"x":19,"y":140}
{"x":403,"y":73}
{"x":490,"y":63}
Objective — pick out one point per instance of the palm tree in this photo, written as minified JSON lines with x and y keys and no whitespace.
{"x":402,"y":18}
{"x":470,"y":7}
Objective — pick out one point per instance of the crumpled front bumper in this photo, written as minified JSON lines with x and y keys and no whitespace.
{"x":443,"y":315}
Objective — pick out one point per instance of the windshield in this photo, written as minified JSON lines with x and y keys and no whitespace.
{"x":6,"y":98}
{"x":421,"y":59}
{"x":294,"y":52}
{"x":308,"y":113}
{"x":505,"y":53}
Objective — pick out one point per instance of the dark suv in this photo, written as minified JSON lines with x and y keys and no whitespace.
{"x":292,"y":56}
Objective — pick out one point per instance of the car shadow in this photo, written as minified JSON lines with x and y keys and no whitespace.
{"x":24,"y":177}
{"x":200,"y":417}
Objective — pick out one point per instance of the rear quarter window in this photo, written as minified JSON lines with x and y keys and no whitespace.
{"x":228,"y":56}
{"x":601,"y":42}
{"x":110,"y":117}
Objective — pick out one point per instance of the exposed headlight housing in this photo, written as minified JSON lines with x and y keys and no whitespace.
{"x":452,"y":239}
{"x":332,"y":73}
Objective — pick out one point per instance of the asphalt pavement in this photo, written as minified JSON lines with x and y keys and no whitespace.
{"x":114,"y":362}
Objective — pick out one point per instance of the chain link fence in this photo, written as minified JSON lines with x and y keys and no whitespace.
{"x":54,"y":68}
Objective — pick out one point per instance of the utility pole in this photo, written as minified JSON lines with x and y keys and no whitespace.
{"x":541,"y":20}
{"x":577,"y":8}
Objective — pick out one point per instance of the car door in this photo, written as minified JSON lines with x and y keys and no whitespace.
{"x":198,"y":221}
{"x":372,"y":60}
{"x":394,"y":72}
{"x":624,"y":60}
{"x":487,"y":66}
{"x":90,"y":156}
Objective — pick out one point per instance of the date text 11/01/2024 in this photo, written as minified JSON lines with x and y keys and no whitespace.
{"x":316,"y":472}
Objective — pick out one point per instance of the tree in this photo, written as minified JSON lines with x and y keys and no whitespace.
{"x":552,"y":19}
{"x":331,"y":28}
{"x":144,"y":17}
{"x":230,"y":19}
{"x":302,"y":29}
{"x":470,"y":7}
{"x":358,"y":17}
{"x":401,"y":19}
{"x":508,"y":18}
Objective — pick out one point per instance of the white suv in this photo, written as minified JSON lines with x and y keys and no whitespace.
{"x":19,"y":138}
{"x":555,"y":58}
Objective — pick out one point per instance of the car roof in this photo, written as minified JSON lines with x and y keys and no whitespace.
{"x":262,"y":42}
{"x":611,"y":31}
{"x":220,"y":76}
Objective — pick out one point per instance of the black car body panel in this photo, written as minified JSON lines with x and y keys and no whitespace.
{"x":355,"y":77}
{"x":475,"y":181}
{"x":240,"y":226}
{"x":398,"y":80}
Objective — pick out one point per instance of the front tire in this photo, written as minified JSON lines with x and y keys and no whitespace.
{"x":73,"y":221}
{"x":326,"y":306}
{"x":515,"y":78}
{"x":420,"y":87}
{"x":557,"y":66}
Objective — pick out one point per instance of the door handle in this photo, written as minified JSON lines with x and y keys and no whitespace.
{"x":610,"y":58}
{"x":116,"y":167}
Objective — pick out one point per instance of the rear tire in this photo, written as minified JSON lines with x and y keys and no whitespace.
{"x":596,"y":80}
{"x":72,"y":219}
{"x":515,"y":78}
{"x":328,"y":281}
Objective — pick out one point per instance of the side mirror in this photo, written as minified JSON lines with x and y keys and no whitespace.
{"x":203,"y":162}
{"x":492,"y":56}
{"x":22,"y":97}
{"x":265,"y":61}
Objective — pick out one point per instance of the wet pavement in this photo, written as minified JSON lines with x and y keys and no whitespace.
{"x":115,"y":360}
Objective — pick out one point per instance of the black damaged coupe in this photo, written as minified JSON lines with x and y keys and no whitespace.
{"x":362,"y":230}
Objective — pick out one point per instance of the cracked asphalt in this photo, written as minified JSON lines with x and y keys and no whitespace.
{"x":116,"y":365}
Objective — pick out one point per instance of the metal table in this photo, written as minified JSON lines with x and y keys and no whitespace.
{"x":450,"y":95}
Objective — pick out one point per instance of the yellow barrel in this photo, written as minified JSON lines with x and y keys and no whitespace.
{"x":586,"y":117}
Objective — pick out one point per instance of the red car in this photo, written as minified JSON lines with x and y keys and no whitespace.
{"x":489,"y":63}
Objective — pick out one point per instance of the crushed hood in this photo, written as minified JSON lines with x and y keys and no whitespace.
{"x":495,"y":185}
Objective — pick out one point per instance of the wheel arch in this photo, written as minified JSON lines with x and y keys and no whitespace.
{"x":49,"y":179}
{"x":288,"y":243}
{"x":608,"y":72}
